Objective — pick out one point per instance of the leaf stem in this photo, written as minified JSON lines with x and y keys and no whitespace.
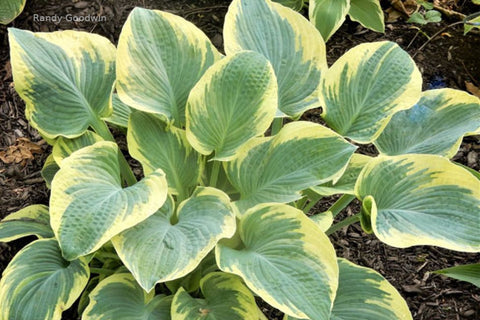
{"x":313,"y":199}
{"x":344,"y":223}
{"x":102,"y":130}
{"x":215,"y":172}
{"x":341,"y":204}
{"x":276,"y":126}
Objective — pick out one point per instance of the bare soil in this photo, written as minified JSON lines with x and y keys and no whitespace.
{"x":450,"y":60}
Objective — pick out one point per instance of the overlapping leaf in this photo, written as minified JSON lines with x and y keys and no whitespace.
{"x":328,"y":15}
{"x":88,"y":205}
{"x":120,"y":112}
{"x":285,"y":259}
{"x":119,"y":297}
{"x":64,"y":147}
{"x":233,"y":102}
{"x":156,"y":146}
{"x":366,"y":86}
{"x":226,"y":297}
{"x":276,"y":169}
{"x":421,"y":200}
{"x":31,"y":220}
{"x":435,"y":125}
{"x":179,"y":247}
{"x":368,"y":13}
{"x":160,"y":58}
{"x":39,"y":284}
{"x":65,"y":78}
{"x":291,"y":43}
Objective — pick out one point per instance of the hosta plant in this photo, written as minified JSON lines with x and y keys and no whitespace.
{"x":219,"y":217}
{"x":329,"y":15}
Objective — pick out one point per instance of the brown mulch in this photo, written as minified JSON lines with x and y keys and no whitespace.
{"x":450,"y":59}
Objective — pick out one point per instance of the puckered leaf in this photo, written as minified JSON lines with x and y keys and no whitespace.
{"x":435,"y":125}
{"x":88,"y":205}
{"x":368,"y":13}
{"x":276,"y":169}
{"x":233,"y":102}
{"x":65,"y":78}
{"x":291,"y":43}
{"x":421,"y":200}
{"x":366,"y":86}
{"x":10,"y":9}
{"x":346,"y":184}
{"x":179,"y":247}
{"x":156,"y":146}
{"x":160,"y":58}
{"x":285,"y":259}
{"x":119,"y":297}
{"x":64,"y":147}
{"x":32,"y":220}
{"x":468,"y":272}
{"x":328,"y":15}
{"x":226,"y":297}
{"x":39,"y":284}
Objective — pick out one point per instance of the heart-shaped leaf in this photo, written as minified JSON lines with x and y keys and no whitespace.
{"x":65,"y":78}
{"x":276,"y":169}
{"x":421,"y":200}
{"x":179,"y":247}
{"x":291,"y":43}
{"x":233,"y":102}
{"x":435,"y":125}
{"x":366,"y":86}
{"x":156,"y":146}
{"x":119,"y":297}
{"x":32,"y":220}
{"x":10,"y":9}
{"x":285,"y":259}
{"x":226,"y":297}
{"x":39,"y":284}
{"x":328,"y":15}
{"x":88,"y":205}
{"x":160,"y":58}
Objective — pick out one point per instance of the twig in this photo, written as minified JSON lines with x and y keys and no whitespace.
{"x":450,"y":13}
{"x":435,"y":35}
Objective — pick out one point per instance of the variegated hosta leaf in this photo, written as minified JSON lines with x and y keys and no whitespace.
{"x":88,"y":205}
{"x":328,"y":15}
{"x":368,"y":13}
{"x":64,"y":147}
{"x":119,"y":297}
{"x":226,"y":297}
{"x":31,"y":220}
{"x":160,"y":58}
{"x":364,"y":294}
{"x":49,"y":170}
{"x":421,"y":200}
{"x":468,"y":272}
{"x":156,"y":146}
{"x":233,"y":102}
{"x":65,"y":78}
{"x":323,"y":220}
{"x":435,"y":125}
{"x":179,"y":247}
{"x":291,"y":43}
{"x":296,"y":5}
{"x":39,"y":284}
{"x":121,"y":112}
{"x":276,"y":169}
{"x":366,"y":86}
{"x":285,"y":259}
{"x":346,"y":184}
{"x":10,"y":9}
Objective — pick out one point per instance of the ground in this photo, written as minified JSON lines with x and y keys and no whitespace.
{"x":450,"y":59}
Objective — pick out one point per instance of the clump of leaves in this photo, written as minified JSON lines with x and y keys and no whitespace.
{"x":220,"y":216}
{"x":430,"y":15}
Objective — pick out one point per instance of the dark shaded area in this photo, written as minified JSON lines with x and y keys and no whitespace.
{"x":447,"y":61}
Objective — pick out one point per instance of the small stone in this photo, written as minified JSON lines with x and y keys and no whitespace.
{"x":472,"y":158}
{"x":81,"y":4}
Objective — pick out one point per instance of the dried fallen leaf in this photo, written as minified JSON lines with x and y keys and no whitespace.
{"x":21,"y":152}
{"x":473,"y":89}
